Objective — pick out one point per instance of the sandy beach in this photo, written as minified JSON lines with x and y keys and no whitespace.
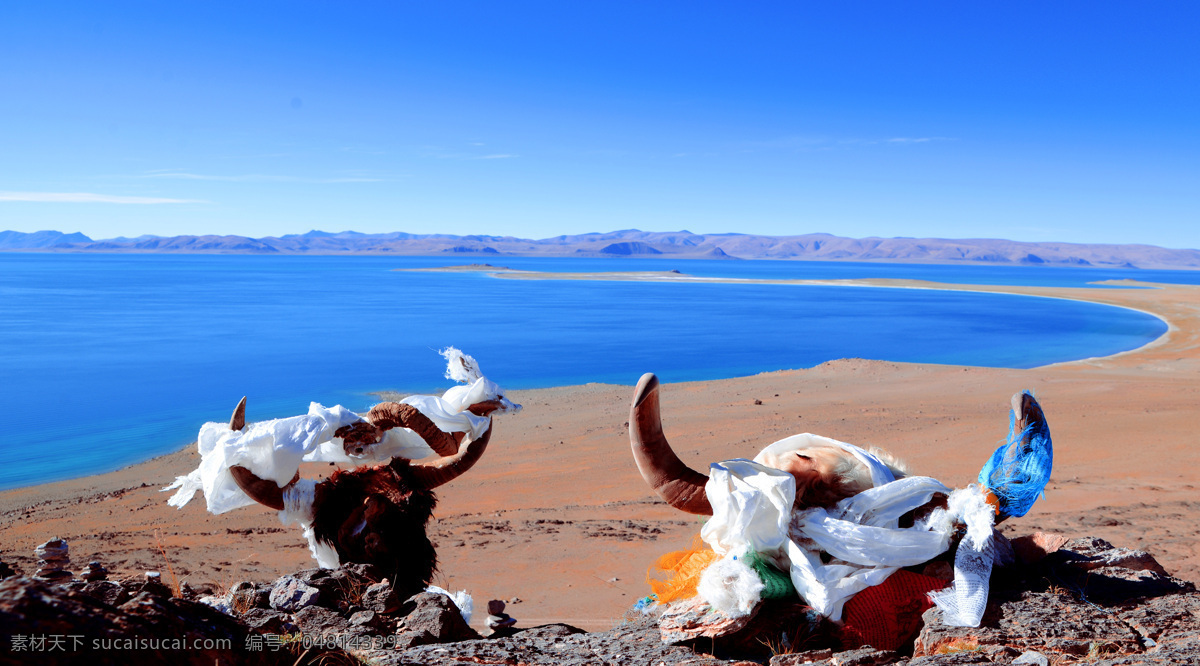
{"x":556,"y":520}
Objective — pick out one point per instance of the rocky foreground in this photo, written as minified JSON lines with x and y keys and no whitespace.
{"x":1079,"y":601}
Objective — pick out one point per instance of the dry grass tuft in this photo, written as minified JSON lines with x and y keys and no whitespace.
{"x":957,"y":645}
{"x":352,"y":589}
{"x":170,"y":569}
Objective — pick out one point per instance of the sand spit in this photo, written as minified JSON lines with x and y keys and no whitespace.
{"x":556,"y":520}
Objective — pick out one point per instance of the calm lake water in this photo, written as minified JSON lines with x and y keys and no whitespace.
{"x":107,"y":360}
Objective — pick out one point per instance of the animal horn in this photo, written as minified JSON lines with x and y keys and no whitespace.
{"x":679,"y":485}
{"x":388,"y":415}
{"x":1018,"y":471}
{"x":430,"y":475}
{"x":263,"y":491}
{"x":238,"y":420}
{"x":1027,"y":411}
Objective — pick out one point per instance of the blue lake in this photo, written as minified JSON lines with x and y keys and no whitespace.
{"x":112,"y":359}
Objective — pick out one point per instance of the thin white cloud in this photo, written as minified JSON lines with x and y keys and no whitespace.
{"x":357,"y":150}
{"x":251,"y":157}
{"x":812,"y":143}
{"x":259,"y":178}
{"x":913,"y":139}
{"x":606,"y":152}
{"x":88,"y":197}
{"x":441,"y":153}
{"x":180,"y":175}
{"x":795,"y":141}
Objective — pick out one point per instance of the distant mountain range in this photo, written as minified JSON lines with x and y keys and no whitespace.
{"x":634,"y":243}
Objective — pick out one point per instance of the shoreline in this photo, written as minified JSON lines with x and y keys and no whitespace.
{"x":1078,"y":294}
{"x":1083,"y":295}
{"x":555,"y":513}
{"x":1074,"y":294}
{"x":502,"y":272}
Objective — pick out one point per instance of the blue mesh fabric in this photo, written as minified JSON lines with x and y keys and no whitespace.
{"x":1018,"y":471}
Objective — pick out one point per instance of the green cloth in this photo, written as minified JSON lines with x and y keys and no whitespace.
{"x":777,"y":584}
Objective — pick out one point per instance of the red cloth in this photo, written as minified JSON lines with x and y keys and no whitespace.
{"x":888,"y":615}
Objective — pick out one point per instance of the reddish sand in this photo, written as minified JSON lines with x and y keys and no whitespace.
{"x":556,"y":519}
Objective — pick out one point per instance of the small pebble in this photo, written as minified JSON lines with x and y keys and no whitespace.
{"x":94,"y":571}
{"x":1032,"y":658}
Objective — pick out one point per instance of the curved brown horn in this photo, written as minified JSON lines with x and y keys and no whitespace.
{"x":263,"y":491}
{"x":388,"y":415}
{"x":238,"y":420}
{"x":1028,"y":421}
{"x":430,"y":475}
{"x":681,"y":486}
{"x":1028,"y":412}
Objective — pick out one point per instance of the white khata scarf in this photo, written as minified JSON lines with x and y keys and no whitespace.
{"x":274,"y":449}
{"x":753,"y":511}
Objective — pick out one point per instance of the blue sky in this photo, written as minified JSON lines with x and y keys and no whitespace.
{"x":1063,"y":121}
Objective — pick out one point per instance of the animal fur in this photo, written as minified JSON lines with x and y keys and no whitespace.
{"x":374,"y":515}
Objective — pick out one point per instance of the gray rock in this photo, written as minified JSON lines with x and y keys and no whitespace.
{"x":799,"y":658}
{"x":291,"y":594}
{"x":1093,"y":569}
{"x":1032,"y":657}
{"x":550,"y":631}
{"x":866,"y":656}
{"x":412,"y":639}
{"x":367,"y":620}
{"x":952,"y":659}
{"x":245,"y":599}
{"x":220,"y":603}
{"x":436,"y":615}
{"x":265,"y":621}
{"x":32,"y":608}
{"x":629,"y":643}
{"x":54,"y":574}
{"x":319,"y":621}
{"x":153,"y":586}
{"x":94,"y":571}
{"x":1169,"y":627}
{"x":340,"y":588}
{"x":53,"y":550}
{"x":106,"y":591}
{"x":6,"y":571}
{"x":53,"y":560}
{"x":1160,"y":623}
{"x":1036,"y":621}
{"x":380,"y":598}
{"x":501,"y":621}
{"x":1092,"y":553}
{"x":242,"y":585}
{"x":367,"y":572}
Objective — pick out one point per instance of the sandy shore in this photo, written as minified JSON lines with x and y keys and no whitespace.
{"x":556,"y":519}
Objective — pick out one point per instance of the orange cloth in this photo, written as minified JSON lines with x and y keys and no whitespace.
{"x":674,"y":576}
{"x":888,"y":615}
